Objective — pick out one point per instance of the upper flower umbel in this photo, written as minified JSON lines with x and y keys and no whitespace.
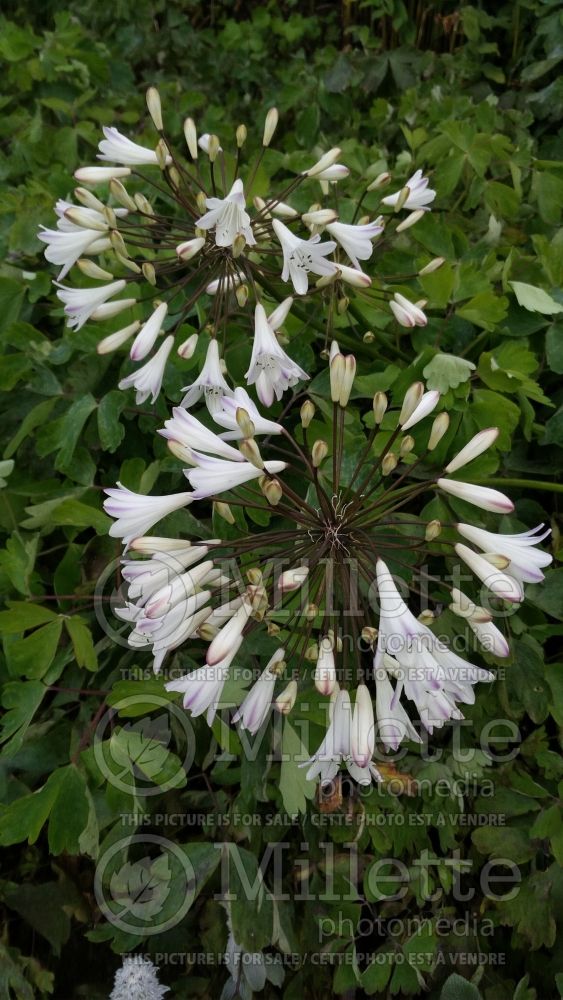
{"x":228,"y":217}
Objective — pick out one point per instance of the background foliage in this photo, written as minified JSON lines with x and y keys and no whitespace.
{"x":469,"y":92}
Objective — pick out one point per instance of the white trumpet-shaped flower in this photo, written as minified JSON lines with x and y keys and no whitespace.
{"x":136,"y":513}
{"x":228,"y":217}
{"x":480,"y":496}
{"x":302,"y":257}
{"x":499,"y":583}
{"x":271,"y":370}
{"x":81,"y":303}
{"x":420,"y":195}
{"x":255,"y":708}
{"x":525,"y":562}
{"x":406,"y":313}
{"x":189,"y":432}
{"x":227,"y":416}
{"x":147,"y":381}
{"x":210,"y":382}
{"x":213,"y":476}
{"x":146,"y":338}
{"x":393,"y":723}
{"x":356,"y":241}
{"x":117,"y":148}
{"x":336,"y":748}
{"x":203,"y":687}
{"x":481,"y":623}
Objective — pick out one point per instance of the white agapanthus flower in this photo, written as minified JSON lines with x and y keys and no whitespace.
{"x":356,"y":240}
{"x":135,"y":513}
{"x":255,"y":708}
{"x":117,"y":148}
{"x":336,"y":748}
{"x":420,"y":195}
{"x":147,"y":381}
{"x":227,"y":416}
{"x":187,"y":431}
{"x":228,"y":217}
{"x":525,"y":563}
{"x":210,"y":382}
{"x":82,"y":304}
{"x":407,"y":313}
{"x":303,"y":257}
{"x":137,"y":980}
{"x":213,"y":476}
{"x":271,"y":370}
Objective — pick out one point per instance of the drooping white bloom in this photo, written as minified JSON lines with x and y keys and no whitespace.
{"x":256,"y":706}
{"x":213,"y":476}
{"x":325,"y":670}
{"x":393,"y":723}
{"x":481,"y":622}
{"x":64,"y":247}
{"x":481,"y":496}
{"x":137,"y":980}
{"x":478,"y":444}
{"x":526,"y":562}
{"x":499,"y":583}
{"x":337,"y":172}
{"x":420,"y":195}
{"x":227,"y":416}
{"x":169,"y":630}
{"x":210,"y":382}
{"x":117,"y":339}
{"x":225,"y":284}
{"x":147,"y":576}
{"x":406,"y":313}
{"x":353,"y":276}
{"x":228,"y":217}
{"x":300,"y":257}
{"x":146,"y":339}
{"x":117,"y":148}
{"x":148,"y":380}
{"x":271,"y":369}
{"x":100,"y":175}
{"x":203,"y":687}
{"x":356,"y":240}
{"x":136,"y":513}
{"x":363,"y":728}
{"x":229,"y":634}
{"x":429,"y":673}
{"x":427,"y":404}
{"x":278,"y":316}
{"x":192,"y":434}
{"x":336,"y":749}
{"x":81,"y":303}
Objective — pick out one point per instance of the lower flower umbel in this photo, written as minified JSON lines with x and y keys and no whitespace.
{"x":329,"y":585}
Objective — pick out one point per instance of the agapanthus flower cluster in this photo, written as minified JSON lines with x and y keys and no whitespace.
{"x":137,"y":980}
{"x":174,"y":238}
{"x":326,"y":574}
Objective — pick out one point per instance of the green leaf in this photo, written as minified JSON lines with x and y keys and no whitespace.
{"x":111,"y":431}
{"x":22,"y":616}
{"x":37,"y":416}
{"x":132,"y":749}
{"x":69,"y":813}
{"x":82,"y":642}
{"x":71,"y":428}
{"x":251,"y":907}
{"x":21,"y":699}
{"x":33,"y":655}
{"x":458,"y":988}
{"x":294,"y":788}
{"x":504,"y":842}
{"x":445,"y":371}
{"x":485,"y":310}
{"x":24,"y":818}
{"x":535,"y":299}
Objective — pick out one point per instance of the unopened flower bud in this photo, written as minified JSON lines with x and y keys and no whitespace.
{"x":270,"y":126}
{"x":200,"y":201}
{"x":162,"y":154}
{"x":411,"y":220}
{"x":368,"y":337}
{"x":143,"y":204}
{"x":319,"y":452}
{"x":380,"y":181}
{"x":369,"y":634}
{"x":439,"y":428}
{"x":131,"y":265}
{"x":426,"y":617}
{"x":241,"y":295}
{"x":347,"y":379}
{"x":92,"y":270}
{"x":190,"y":248}
{"x":89,"y":200}
{"x":433,"y":529}
{"x":187,"y":349}
{"x":224,"y":511}
{"x":155,"y":107}
{"x":342,"y":305}
{"x":272,"y":629}
{"x":118,"y":243}
{"x":241,"y":134}
{"x":311,"y":612}
{"x":121,"y":195}
{"x":307,"y":412}
{"x":496,"y":560}
{"x":272,"y":490}
{"x":251,"y":452}
{"x":213,"y":147}
{"x":407,"y":445}
{"x":403,"y":197}
{"x":254,"y":576}
{"x":239,"y":244}
{"x":245,"y":423}
{"x":411,"y":400}
{"x":286,"y":700}
{"x":319,"y":217}
{"x":312,"y":652}
{"x":337,"y":372}
{"x":190,"y":133}
{"x":389,"y":463}
{"x":81,"y":217}
{"x":325,"y":161}
{"x":432,"y":266}
{"x":293,"y":579}
{"x":327,"y":279}
{"x":380,"y":403}
{"x":149,"y":272}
